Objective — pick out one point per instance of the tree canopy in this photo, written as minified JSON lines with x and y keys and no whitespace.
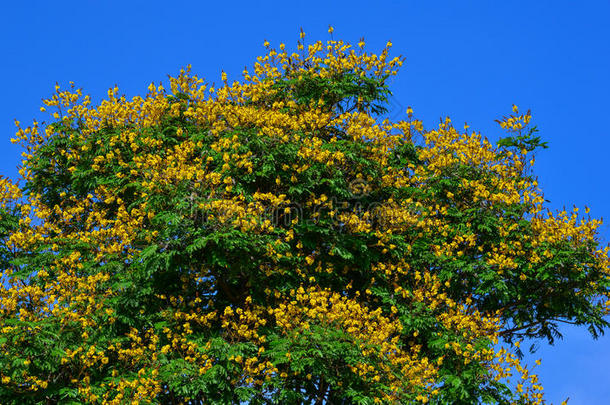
{"x":279,"y":240}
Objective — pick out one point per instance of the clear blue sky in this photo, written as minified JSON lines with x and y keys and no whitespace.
{"x":468,"y":60}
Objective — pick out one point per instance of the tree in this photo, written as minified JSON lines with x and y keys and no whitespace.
{"x":276,"y":240}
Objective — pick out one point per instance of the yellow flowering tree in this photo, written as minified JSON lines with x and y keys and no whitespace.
{"x":275,"y":240}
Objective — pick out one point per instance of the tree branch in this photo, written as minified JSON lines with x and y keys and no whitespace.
{"x":321,"y":392}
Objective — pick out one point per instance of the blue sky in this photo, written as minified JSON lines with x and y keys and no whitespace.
{"x":470,"y":60}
